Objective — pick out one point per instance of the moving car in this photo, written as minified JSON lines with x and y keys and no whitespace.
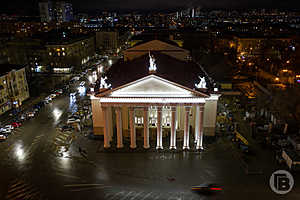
{"x":207,"y":188}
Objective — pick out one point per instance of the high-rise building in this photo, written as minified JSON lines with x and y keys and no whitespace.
{"x":59,"y":11}
{"x":63,"y":11}
{"x":45,"y":11}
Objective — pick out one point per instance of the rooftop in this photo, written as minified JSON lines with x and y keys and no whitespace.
{"x":169,"y":68}
{"x":5,"y":68}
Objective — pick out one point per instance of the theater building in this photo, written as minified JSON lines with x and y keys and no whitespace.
{"x":161,"y":107}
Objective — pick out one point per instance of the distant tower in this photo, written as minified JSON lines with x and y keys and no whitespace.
{"x":46,"y":13}
{"x":62,"y":11}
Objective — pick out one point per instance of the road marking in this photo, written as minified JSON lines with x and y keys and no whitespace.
{"x":21,"y":191}
{"x":69,"y":176}
{"x":126,"y":195}
{"x":157,"y":196}
{"x":91,"y":188}
{"x":147,"y":195}
{"x":20,"y":186}
{"x":136,"y":195}
{"x":115,"y":195}
{"x":79,"y":185}
{"x":18,"y":182}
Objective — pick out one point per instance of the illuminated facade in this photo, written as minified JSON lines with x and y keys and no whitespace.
{"x":62,"y":56}
{"x":13,"y":87}
{"x":159,"y":106}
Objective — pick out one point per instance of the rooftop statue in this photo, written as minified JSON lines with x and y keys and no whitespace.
{"x":202,"y":83}
{"x":152,"y":63}
{"x":103,"y":83}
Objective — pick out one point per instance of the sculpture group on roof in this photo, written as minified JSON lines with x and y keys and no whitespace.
{"x":202,"y":83}
{"x":103,"y":83}
{"x":152,"y":64}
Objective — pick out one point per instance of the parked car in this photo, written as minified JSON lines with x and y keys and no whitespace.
{"x":22,"y":117}
{"x":9,"y":126}
{"x":48,"y":99}
{"x":74,"y":116}
{"x":59,"y":91}
{"x":30,"y":114}
{"x":73,"y":120}
{"x":82,"y":83}
{"x":16,"y":124}
{"x":3,"y":137}
{"x":5,"y":131}
{"x":66,"y":128}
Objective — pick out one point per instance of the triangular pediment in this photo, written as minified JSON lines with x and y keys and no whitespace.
{"x":156,"y":45}
{"x":153,"y":86}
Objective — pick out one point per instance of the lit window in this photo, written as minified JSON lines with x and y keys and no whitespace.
{"x":58,"y":54}
{"x":50,"y":53}
{"x":63,"y":53}
{"x":63,"y":48}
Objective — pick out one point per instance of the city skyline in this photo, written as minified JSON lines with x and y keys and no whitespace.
{"x":31,"y":6}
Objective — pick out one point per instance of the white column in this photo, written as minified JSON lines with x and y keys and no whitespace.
{"x":109,"y":117}
{"x":173,"y":128}
{"x":119,"y":127}
{"x":106,"y":128}
{"x":132,"y":128}
{"x":159,"y":129}
{"x":146,"y":128}
{"x":197,"y":124}
{"x":200,"y":129}
{"x":186,"y":129}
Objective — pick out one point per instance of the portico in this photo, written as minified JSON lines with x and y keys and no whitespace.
{"x":151,"y":102}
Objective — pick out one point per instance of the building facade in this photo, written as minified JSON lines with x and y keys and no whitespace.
{"x":59,"y":11}
{"x":46,"y":12}
{"x":13,"y":87}
{"x":155,"y":97}
{"x":154,"y":108}
{"x":107,"y":40}
{"x":71,"y":54}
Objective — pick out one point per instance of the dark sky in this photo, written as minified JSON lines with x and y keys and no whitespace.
{"x":82,"y":5}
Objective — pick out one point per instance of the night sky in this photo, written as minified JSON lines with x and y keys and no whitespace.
{"x":27,"y":6}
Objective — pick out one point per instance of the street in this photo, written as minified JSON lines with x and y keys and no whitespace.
{"x":31,"y":168}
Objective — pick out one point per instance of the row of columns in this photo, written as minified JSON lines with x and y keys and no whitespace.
{"x":198,"y":131}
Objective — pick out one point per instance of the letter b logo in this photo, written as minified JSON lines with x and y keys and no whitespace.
{"x":281,"y":182}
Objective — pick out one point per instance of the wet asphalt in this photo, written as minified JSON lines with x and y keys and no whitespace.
{"x":40,"y":162}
